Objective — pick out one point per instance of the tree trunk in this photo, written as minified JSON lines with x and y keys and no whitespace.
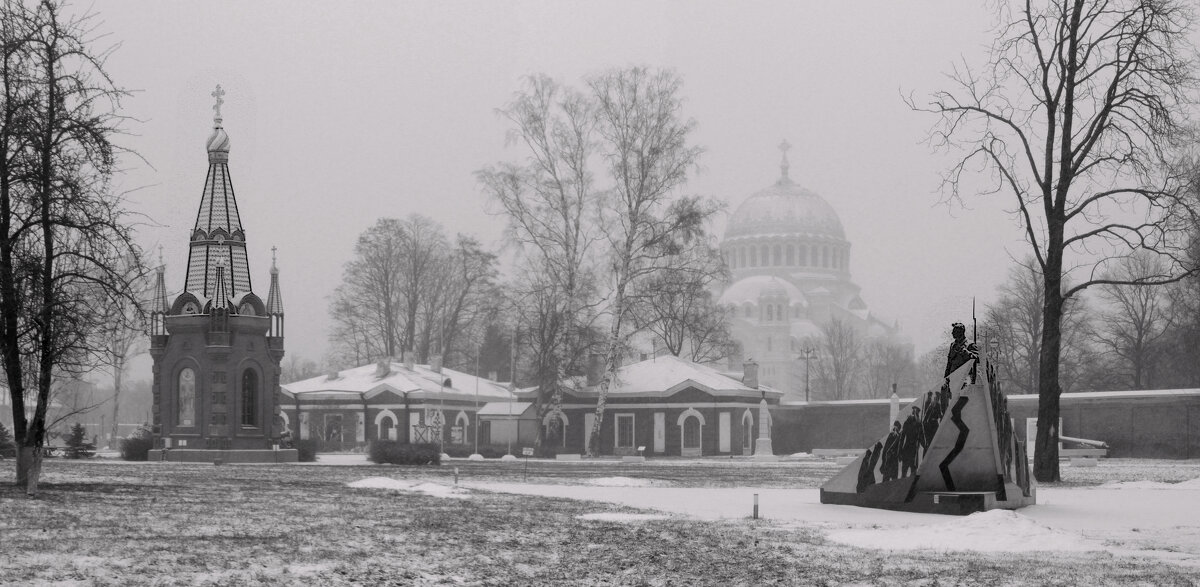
{"x":118,"y":371}
{"x":1045,"y":466}
{"x":29,"y":468}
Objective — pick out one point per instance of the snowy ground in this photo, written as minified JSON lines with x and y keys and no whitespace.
{"x":666,"y":522}
{"x":1144,"y":518}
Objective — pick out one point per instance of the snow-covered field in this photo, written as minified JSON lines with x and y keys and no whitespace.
{"x":658,"y":523}
{"x":1141,"y":518}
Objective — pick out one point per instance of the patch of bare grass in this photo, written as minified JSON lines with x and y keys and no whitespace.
{"x":157,"y":523}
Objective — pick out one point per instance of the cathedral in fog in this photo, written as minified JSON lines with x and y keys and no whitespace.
{"x":790,"y":275}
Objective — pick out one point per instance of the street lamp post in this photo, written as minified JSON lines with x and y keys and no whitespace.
{"x":808,"y":351}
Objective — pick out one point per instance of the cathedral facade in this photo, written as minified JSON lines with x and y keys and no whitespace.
{"x":217,"y":346}
{"x":789,"y":262}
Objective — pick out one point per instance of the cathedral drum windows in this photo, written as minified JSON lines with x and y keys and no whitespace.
{"x":186,"y":398}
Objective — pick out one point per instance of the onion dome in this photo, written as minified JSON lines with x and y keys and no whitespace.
{"x":218,"y":141}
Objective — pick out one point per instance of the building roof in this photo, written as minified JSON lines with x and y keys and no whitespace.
{"x":218,"y":236}
{"x":513,"y":409}
{"x":419,"y":382}
{"x":667,"y":375}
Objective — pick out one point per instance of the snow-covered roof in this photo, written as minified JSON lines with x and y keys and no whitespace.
{"x":419,"y":381}
{"x":666,"y":375}
{"x":503,"y":408}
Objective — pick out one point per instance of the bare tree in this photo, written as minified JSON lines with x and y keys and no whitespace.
{"x":884,"y":363}
{"x":1180,"y":366}
{"x":1136,"y":319}
{"x":838,"y":361}
{"x":550,"y":205}
{"x":1013,"y":326}
{"x":677,"y":305}
{"x":65,"y":242}
{"x":421,"y":243}
{"x":297,"y":368}
{"x":126,"y":336}
{"x":643,"y":140}
{"x":1079,"y":115}
{"x":367,"y":307}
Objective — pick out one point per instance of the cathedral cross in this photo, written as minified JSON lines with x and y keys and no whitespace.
{"x":783,"y":165}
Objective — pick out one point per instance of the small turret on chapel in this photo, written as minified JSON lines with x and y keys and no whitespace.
{"x":217,"y":347}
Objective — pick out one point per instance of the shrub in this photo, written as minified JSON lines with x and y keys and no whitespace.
{"x":8,"y":448}
{"x":307,"y":449}
{"x":137,"y":446}
{"x":77,"y":445}
{"x":398,"y":453}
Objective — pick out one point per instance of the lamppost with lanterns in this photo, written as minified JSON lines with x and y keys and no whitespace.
{"x":808,"y":351}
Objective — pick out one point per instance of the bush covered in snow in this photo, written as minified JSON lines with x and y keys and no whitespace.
{"x":137,"y":446}
{"x":307,"y":450}
{"x":398,"y":453}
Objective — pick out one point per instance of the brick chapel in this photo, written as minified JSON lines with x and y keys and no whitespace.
{"x":217,"y":346}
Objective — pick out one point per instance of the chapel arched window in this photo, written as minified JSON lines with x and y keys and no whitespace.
{"x":249,"y":398}
{"x":778,"y":256}
{"x":186,"y":398}
{"x":754,"y":256}
{"x":791,"y":255}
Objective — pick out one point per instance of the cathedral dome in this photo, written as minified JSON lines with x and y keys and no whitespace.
{"x":785,"y":209}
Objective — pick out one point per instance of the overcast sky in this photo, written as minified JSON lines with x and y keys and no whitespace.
{"x":343,"y":113}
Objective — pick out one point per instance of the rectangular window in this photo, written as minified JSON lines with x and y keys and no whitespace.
{"x":624,"y":430}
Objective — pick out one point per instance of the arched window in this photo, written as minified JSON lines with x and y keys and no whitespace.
{"x":748,"y":311}
{"x":741,"y":257}
{"x":385,"y":429}
{"x":754,"y":256}
{"x":791,"y":255}
{"x":691,"y":433}
{"x":825,"y":256}
{"x":797,"y":312}
{"x":802,"y":256}
{"x":770,"y":312}
{"x":186,"y":398}
{"x":249,"y":398}
{"x":778,"y":256}
{"x":766,"y":255}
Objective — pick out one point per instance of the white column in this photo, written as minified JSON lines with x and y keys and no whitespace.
{"x":762,"y":447}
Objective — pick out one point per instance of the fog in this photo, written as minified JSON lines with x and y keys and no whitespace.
{"x":340,"y":114}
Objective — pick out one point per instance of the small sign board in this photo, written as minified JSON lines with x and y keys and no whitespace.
{"x":527,"y":451}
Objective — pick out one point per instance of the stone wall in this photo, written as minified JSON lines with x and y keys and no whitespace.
{"x":1136,"y":424}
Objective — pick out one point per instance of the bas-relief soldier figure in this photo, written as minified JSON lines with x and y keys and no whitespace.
{"x":866,"y":471}
{"x":891,"y":453}
{"x":961,"y":351}
{"x":912,"y":438}
{"x":933,"y":416}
